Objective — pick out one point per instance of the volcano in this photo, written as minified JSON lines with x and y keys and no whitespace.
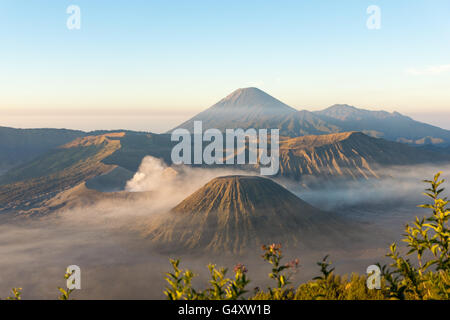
{"x":243,"y":108}
{"x":233,"y":213}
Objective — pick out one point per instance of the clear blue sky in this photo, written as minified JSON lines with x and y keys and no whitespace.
{"x":151,"y":64}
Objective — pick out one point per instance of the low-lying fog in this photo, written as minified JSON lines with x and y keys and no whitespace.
{"x":116,"y":262}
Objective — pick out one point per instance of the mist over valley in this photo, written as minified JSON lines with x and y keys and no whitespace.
{"x":114,"y":203}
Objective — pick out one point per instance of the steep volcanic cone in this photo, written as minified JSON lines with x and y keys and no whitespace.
{"x":235,"y":212}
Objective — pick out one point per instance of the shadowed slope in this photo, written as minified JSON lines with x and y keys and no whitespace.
{"x":391,"y":126}
{"x":20,"y":145}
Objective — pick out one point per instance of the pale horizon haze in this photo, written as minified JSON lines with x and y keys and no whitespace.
{"x":150,"y":65}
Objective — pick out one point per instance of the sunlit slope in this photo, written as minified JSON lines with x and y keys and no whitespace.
{"x":104,"y":162}
{"x":348,"y":155}
{"x":233,"y":213}
{"x":80,"y":197}
{"x":57,"y":171}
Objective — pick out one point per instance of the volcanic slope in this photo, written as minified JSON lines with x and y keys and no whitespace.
{"x":318,"y":159}
{"x":28,"y":185}
{"x":235,"y":213}
{"x":348,"y":155}
{"x":105,"y":162}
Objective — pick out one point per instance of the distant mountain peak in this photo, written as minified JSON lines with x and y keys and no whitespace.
{"x":346,"y":108}
{"x":348,"y":112}
{"x":252,"y":98}
{"x":241,"y":91}
{"x":342,"y":107}
{"x":245,"y":93}
{"x":243,"y":108}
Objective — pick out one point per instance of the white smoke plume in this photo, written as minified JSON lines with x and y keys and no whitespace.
{"x":153,"y":173}
{"x":175,"y":182}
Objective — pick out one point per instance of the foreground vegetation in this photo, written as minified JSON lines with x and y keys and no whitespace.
{"x":65,"y":294}
{"x":427,"y":277}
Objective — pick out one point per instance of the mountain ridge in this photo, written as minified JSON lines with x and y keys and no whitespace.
{"x":112,"y":159}
{"x":344,"y":111}
{"x":18,"y":146}
{"x":233,"y":112}
{"x":313,"y":159}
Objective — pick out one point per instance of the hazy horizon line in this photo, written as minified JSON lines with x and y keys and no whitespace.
{"x":151,"y":122}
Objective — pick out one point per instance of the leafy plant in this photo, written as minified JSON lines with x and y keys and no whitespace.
{"x":65,"y":293}
{"x":326,"y":280}
{"x":222,"y":288}
{"x":16,"y":293}
{"x":237,"y":287}
{"x":281,"y":273}
{"x":426,"y":237}
{"x":180,"y":283}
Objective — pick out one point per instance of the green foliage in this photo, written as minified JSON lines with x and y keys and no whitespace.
{"x":222,"y":288}
{"x":327,"y":286}
{"x":180,"y":283}
{"x":438,"y":242}
{"x":237,"y":287}
{"x":273,"y":255}
{"x":426,"y":238}
{"x":280,"y":273}
{"x":335,"y":287}
{"x":327,"y":282}
{"x":65,"y":294}
{"x":16,"y":293}
{"x":324,"y":269}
